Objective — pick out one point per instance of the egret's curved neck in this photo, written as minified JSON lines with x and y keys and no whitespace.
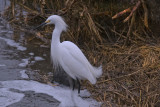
{"x":56,"y":36}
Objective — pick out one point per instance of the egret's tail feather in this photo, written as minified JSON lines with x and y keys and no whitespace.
{"x":97,"y":72}
{"x":92,"y":79}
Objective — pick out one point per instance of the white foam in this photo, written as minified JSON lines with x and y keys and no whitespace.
{"x":38,"y":58}
{"x":14,"y":44}
{"x":8,"y":97}
{"x":63,"y":94}
{"x":25,"y":63}
{"x":23,"y":74}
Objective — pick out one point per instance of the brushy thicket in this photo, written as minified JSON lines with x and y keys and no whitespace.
{"x":128,"y":51}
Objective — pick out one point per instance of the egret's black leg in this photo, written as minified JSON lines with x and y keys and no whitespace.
{"x":73,"y":83}
{"x":79,"y":86}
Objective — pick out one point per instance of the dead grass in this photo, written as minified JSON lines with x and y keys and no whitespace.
{"x":131,"y":74}
{"x":130,"y":78}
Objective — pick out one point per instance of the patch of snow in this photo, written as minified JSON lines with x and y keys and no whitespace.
{"x":25,"y":63}
{"x":8,"y":97}
{"x":10,"y":32}
{"x":1,"y":27}
{"x":31,"y":53}
{"x":2,"y":65}
{"x":14,"y":44}
{"x":65,"y":95}
{"x":23,"y":74}
{"x":32,"y":62}
{"x":38,"y":58}
{"x":44,"y":46}
{"x":3,"y":31}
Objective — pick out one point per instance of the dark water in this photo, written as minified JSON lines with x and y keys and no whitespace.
{"x":9,"y":57}
{"x":15,"y":55}
{"x":24,"y":49}
{"x":20,"y":60}
{"x":19,"y":52}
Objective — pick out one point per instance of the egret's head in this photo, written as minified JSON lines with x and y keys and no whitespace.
{"x":57,"y":21}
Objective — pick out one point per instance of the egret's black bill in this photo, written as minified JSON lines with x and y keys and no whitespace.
{"x":40,"y":25}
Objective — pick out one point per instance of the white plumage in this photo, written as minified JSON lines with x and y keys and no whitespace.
{"x":69,"y":56}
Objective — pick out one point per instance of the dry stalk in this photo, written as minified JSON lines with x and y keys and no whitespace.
{"x":120,"y":77}
{"x":68,"y":5}
{"x":92,"y":25}
{"x":28,"y":9}
{"x":13,"y":8}
{"x":145,"y":13}
{"x":133,"y":10}
{"x":121,"y":13}
{"x":130,"y":29}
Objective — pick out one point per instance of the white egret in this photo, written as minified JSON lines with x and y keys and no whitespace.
{"x":68,"y":56}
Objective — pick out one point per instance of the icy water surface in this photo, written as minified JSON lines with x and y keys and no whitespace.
{"x":17,"y":88}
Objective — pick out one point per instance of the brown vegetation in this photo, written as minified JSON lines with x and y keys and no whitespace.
{"x":128,"y":51}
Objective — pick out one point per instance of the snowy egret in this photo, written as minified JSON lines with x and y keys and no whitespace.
{"x":68,"y":56}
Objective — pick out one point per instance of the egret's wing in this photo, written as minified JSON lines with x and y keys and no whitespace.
{"x":75,"y":63}
{"x":75,"y":52}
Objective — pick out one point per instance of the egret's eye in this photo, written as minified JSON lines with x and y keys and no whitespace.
{"x":47,"y":21}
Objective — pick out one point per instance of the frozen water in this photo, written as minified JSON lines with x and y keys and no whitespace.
{"x":3,"y":31}
{"x":2,"y":65}
{"x":23,"y":74}
{"x":25,"y":63}
{"x":31,"y":53}
{"x":38,"y":58}
{"x":14,"y":44}
{"x":66,"y":96}
{"x":8,"y":97}
{"x":32,"y":62}
{"x":10,"y":31}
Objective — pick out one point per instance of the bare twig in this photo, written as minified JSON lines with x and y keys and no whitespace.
{"x":133,"y":10}
{"x":121,"y":13}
